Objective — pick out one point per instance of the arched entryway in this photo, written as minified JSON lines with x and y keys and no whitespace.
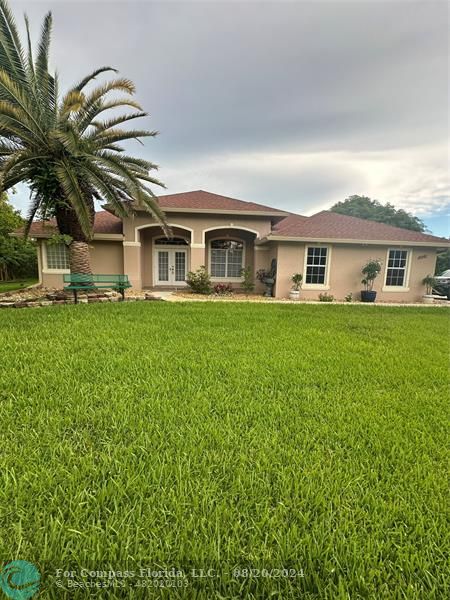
{"x":164,"y":261}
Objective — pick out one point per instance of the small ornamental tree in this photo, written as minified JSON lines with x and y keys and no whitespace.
{"x":297,"y":279}
{"x":248,"y":284}
{"x":429,"y":282}
{"x":370,"y":271}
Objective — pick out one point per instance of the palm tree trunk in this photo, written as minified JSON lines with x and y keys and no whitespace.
{"x":68,"y":224}
{"x":79,"y":258}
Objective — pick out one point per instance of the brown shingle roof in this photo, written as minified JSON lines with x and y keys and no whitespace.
{"x":331,"y":225}
{"x":104,"y":222}
{"x":201,"y":200}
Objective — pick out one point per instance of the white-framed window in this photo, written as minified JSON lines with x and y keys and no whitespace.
{"x":397,"y":268}
{"x":226,"y":259}
{"x":316,"y":265}
{"x":57,"y":256}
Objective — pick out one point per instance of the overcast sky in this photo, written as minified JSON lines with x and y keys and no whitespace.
{"x":293,"y":104}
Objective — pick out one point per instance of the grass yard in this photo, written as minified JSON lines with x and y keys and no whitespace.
{"x":227,"y":437}
{"x":16,"y":284}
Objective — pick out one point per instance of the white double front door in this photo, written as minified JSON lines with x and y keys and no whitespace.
{"x":171,"y":266}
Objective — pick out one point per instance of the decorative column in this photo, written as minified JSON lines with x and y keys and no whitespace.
{"x":132,"y":263}
{"x":198,"y":256}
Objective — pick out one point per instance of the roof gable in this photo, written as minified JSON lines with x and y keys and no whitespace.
{"x":200,"y":201}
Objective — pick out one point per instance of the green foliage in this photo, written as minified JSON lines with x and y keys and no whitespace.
{"x":429,"y":282}
{"x":199,"y":281}
{"x":324,"y":297}
{"x":63,"y":147}
{"x":196,"y":444}
{"x":365,"y":208}
{"x":10,"y":218}
{"x":297,"y":279}
{"x":17,"y":256}
{"x":248,"y":285}
{"x":442,"y":262}
{"x":349,"y":297}
{"x":371,"y":271}
{"x":59,"y":238}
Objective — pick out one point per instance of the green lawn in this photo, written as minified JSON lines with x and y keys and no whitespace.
{"x":227,"y":436}
{"x":17,"y":284}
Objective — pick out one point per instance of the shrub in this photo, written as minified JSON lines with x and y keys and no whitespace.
{"x":326,"y":297}
{"x":349,"y":297}
{"x":223,"y":289}
{"x":199,"y":281}
{"x":247,"y":280}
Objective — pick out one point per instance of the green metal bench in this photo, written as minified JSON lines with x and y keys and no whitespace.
{"x":85,"y":282}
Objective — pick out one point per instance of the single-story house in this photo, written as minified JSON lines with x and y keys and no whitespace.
{"x":226,"y":234}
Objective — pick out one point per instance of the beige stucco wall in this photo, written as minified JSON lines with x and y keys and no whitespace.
{"x":345,"y":264}
{"x":107,"y":257}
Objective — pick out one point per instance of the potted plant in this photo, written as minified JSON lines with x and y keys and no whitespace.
{"x":429,"y":282}
{"x":370,"y":271}
{"x":296,"y":279}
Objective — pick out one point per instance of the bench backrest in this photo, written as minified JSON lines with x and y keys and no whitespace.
{"x":86,"y":278}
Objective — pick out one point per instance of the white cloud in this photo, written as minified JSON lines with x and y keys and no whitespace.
{"x":415,"y":179}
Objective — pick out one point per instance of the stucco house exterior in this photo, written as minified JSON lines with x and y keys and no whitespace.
{"x":226,"y":234}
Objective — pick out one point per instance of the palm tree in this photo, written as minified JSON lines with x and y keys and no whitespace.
{"x":65,"y":149}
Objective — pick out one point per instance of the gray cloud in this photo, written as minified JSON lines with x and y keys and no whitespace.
{"x":233,"y":85}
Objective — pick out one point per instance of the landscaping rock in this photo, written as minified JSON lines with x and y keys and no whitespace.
{"x":6,"y":304}
{"x":46,"y":302}
{"x":20,"y":304}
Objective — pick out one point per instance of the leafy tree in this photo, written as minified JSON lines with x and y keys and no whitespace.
{"x":17,"y":255}
{"x":64,"y":148}
{"x":365,"y":208}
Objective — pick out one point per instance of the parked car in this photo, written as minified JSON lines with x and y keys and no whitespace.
{"x":442,"y":285}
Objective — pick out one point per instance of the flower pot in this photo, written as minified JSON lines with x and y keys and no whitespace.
{"x":368,"y":296}
{"x":294,"y":295}
{"x":427,"y":299}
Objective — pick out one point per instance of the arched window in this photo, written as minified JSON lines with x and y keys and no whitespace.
{"x":226,"y":258}
{"x":175,"y":241}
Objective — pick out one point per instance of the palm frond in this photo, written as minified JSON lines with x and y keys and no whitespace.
{"x":83,"y":83}
{"x":110,"y":123}
{"x":11,"y":92}
{"x":85,"y":117}
{"x":11,"y":51}
{"x":118,"y":135}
